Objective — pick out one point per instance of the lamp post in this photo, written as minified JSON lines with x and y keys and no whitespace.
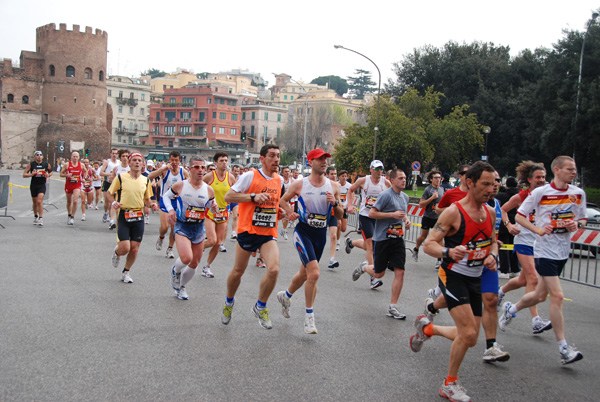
{"x":486,"y":130}
{"x":378,"y":95}
{"x":593,"y":19}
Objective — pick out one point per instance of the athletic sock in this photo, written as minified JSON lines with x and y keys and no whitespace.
{"x":431,"y":309}
{"x":450,"y":379}
{"x":428,"y":330}
{"x":500,"y":292}
{"x":534,"y":319}
{"x":562,"y":344}
{"x":310,"y":312}
{"x":186,"y":275}
{"x":260,"y":305}
{"x":229,"y":302}
{"x":513,"y":309}
{"x":179,"y":266}
{"x":288,"y":294}
{"x":490,"y":342}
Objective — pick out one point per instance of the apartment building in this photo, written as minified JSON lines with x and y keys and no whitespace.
{"x":130,"y":102}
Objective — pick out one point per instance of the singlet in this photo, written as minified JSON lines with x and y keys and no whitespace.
{"x":110,"y":166}
{"x":477,"y":237}
{"x":344,"y":194}
{"x":87,"y":183}
{"x":313,"y":207}
{"x":451,"y":196}
{"x":97,"y":183}
{"x":369,"y":194}
{"x":121,"y":169}
{"x":170,"y":179}
{"x":38,"y":170}
{"x":192,"y":203}
{"x":260,"y":219}
{"x":221,"y":187}
{"x":525,"y":237}
{"x":285,"y":185}
{"x":498,"y":209}
{"x":76,"y":172}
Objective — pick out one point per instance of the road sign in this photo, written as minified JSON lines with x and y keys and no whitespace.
{"x":61,"y":147}
{"x":416,"y":173}
{"x":416,"y":165}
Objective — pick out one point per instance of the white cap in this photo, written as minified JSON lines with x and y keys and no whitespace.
{"x":376,"y":163}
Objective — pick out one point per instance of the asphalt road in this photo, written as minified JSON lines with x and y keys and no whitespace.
{"x":70,"y":330}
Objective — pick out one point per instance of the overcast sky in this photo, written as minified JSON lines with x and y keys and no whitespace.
{"x":296,"y":38}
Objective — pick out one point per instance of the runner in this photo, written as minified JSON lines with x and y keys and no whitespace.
{"x":193,"y":197}
{"x":122,"y":167}
{"x":233,"y":208}
{"x":287,"y":180}
{"x":431,"y":195}
{"x":257,"y":193}
{"x":128,"y":194}
{"x":87,"y":189}
{"x":106,"y":172}
{"x":370,"y":185}
{"x":391,"y":220}
{"x":73,"y":172}
{"x":560,"y":209}
{"x":534,"y":176}
{"x":216,"y":224}
{"x":97,"y":184}
{"x":344,"y":187}
{"x":39,"y":171}
{"x":318,"y":196}
{"x":331,"y":174}
{"x":467,"y":230}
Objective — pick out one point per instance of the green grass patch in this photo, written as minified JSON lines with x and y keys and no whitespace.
{"x":592,"y":195}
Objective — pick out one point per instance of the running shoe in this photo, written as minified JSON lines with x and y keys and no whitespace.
{"x":285,"y":236}
{"x":395,"y":313}
{"x":206,"y":272}
{"x":428,"y":313}
{"x":159,"y":243}
{"x":309,"y":325}
{"x":337,"y":246}
{"x":513,"y":274}
{"x":175,"y":279}
{"x":431,"y":294}
{"x":226,"y":317}
{"x":147,"y":219}
{"x":281,"y":231}
{"x":263,"y":317}
{"x":40,"y":222}
{"x":233,"y":235}
{"x":115,"y":258}
{"x":415,"y":254}
{"x":83,"y":217}
{"x":358,"y":271}
{"x":260,"y":263}
{"x":112,"y":226}
{"x":169,"y":253}
{"x":182,"y":294}
{"x":222,"y":248}
{"x":540,"y":325}
{"x":505,"y":317}
{"x":105,"y":217}
{"x":495,"y":354}
{"x":500,"y":298}
{"x":454,"y":391}
{"x":416,"y":340}
{"x":96,"y":207}
{"x":35,"y":220}
{"x":126,"y":278}
{"x":502,"y":275}
{"x":70,"y":221}
{"x":569,"y":355}
{"x":349,"y":245}
{"x":333,"y":263}
{"x":375,"y":283}
{"x":285,"y":303}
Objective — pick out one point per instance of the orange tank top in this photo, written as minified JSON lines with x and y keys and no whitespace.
{"x":261,"y":219}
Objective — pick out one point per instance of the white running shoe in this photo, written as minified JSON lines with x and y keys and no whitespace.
{"x":222,"y":248}
{"x":104,"y":217}
{"x":233,"y":236}
{"x":568,"y":354}
{"x":182,"y":294}
{"x":395,"y":313}
{"x":175,"y":279}
{"x":540,"y":325}
{"x":495,"y":354}
{"x":40,"y":222}
{"x":115,"y":258}
{"x":159,"y":243}
{"x":263,"y":317}
{"x":170,"y":252}
{"x":337,"y":246}
{"x":96,"y":207}
{"x":505,"y":316}
{"x":358,"y":271}
{"x":285,"y":236}
{"x":83,"y":217}
{"x":375,"y":283}
{"x":126,"y":278}
{"x":147,"y":219}
{"x":35,"y":220}
{"x":416,"y":340}
{"x":207,"y":272}
{"x":333,"y":263}
{"x":309,"y":325}
{"x":285,"y":303}
{"x":454,"y":392}
{"x":226,"y":317}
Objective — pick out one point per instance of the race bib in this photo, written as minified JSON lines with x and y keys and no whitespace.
{"x":87,"y":184}
{"x":194,"y":214}
{"x":316,"y":220}
{"x":264,"y":217}
{"x":38,"y":173}
{"x":394,"y":231}
{"x":478,"y":251}
{"x":558,"y":221}
{"x":74,"y":179}
{"x":343,"y":197}
{"x":134,"y":216}
{"x":221,"y":216}
{"x":532,"y":217}
{"x":370,"y":201}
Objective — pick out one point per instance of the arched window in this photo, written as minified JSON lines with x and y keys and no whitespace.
{"x":88,"y":73}
{"x":70,"y":71}
{"x":101,"y":75}
{"x":25,"y":99}
{"x":52,"y":70}
{"x":10,"y":98}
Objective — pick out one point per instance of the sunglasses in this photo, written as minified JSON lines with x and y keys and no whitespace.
{"x":379,"y":169}
{"x":498,"y":180}
{"x":197,"y":167}
{"x":461,"y":173}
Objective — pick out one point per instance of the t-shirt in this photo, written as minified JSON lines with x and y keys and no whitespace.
{"x":553,"y":206}
{"x":430,"y":208}
{"x":390,"y":228}
{"x":130,"y":192}
{"x":451,"y":196}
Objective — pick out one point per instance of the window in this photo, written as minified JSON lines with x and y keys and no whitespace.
{"x":55,"y":99}
{"x":221,"y":130}
{"x":186,"y":129}
{"x":142,"y":110}
{"x":219,"y":101}
{"x":232,"y":102}
{"x":266,"y":115}
{"x":214,"y":115}
{"x":10,"y":98}
{"x":87,"y":73}
{"x":278,"y":132}
{"x":209,"y":100}
{"x":120,"y":124}
{"x":234,"y":117}
{"x":119,"y":138}
{"x":243,"y":129}
{"x":201,"y":116}
{"x":120,"y":109}
{"x":101,"y":76}
{"x":172,"y":100}
{"x":278,"y":116}
{"x":156,"y":142}
{"x":293,"y":89}
{"x":74,"y":100}
{"x":252,"y":131}
{"x":25,"y":99}
{"x":131,"y":110}
{"x":70,"y":71}
{"x":130,"y":126}
{"x":141,"y":125}
{"x":292,"y":98}
{"x":131,"y":95}
{"x":120,"y":94}
{"x":45,"y":117}
{"x":143,"y":96}
{"x":185,"y":116}
{"x":222,"y":116}
{"x":243,"y":115}
{"x":284,"y":97}
{"x":188,"y":101}
{"x":253,"y":115}
{"x":130,"y":140}
{"x":110,"y":92}
{"x":233,"y":131}
{"x":170,"y":116}
{"x":170,"y":130}
{"x":214,"y":129}
{"x":52,"y":70}
{"x":93,"y":101}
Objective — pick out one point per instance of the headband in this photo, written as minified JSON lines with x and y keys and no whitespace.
{"x":135,"y":154}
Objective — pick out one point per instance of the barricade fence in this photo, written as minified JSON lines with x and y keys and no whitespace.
{"x":582,"y":267}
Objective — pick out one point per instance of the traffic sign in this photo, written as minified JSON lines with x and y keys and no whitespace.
{"x":416,"y":173}
{"x":416,"y":165}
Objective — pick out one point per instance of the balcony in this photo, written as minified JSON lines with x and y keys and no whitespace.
{"x":132,"y":102}
{"x":123,"y":130}
{"x":121,"y":101}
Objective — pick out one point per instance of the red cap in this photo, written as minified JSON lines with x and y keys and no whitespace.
{"x":316,"y":154}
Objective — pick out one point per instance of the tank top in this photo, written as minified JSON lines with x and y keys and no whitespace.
{"x":476,"y":237}
{"x":87,"y":182}
{"x":39,"y":172}
{"x":313,"y":207}
{"x":369,"y":194}
{"x":121,"y":169}
{"x":75,"y":171}
{"x":221,"y":187}
{"x":97,"y":183}
{"x":344,"y":194}
{"x":110,"y":166}
{"x":261,"y":219}
{"x":498,"y":210}
{"x":526,"y":237}
{"x":169,"y":180}
{"x":192,"y":203}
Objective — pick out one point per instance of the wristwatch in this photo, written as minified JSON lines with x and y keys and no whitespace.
{"x":252,"y":195}
{"x":446,"y":252}
{"x":337,"y":203}
{"x":496,"y":258}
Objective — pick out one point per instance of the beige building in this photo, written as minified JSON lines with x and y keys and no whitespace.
{"x":286,"y":91}
{"x":263,"y":123}
{"x":130,"y":102}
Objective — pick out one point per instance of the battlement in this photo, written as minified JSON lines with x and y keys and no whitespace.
{"x":50,"y":29}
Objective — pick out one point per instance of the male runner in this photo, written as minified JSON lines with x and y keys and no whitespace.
{"x":170,"y":173}
{"x":257,"y":193}
{"x":106,"y":172}
{"x":344,"y":187}
{"x":39,"y":171}
{"x":391,"y":220}
{"x":128,"y":194}
{"x":233,"y":208}
{"x":560,"y":209}
{"x":467,"y":230}
{"x":318,"y":196}
{"x":216,"y":224}
{"x":431,"y":195}
{"x":87,"y":189}
{"x":97,"y":184}
{"x":370,"y":185}
{"x":122,"y":167}
{"x":193,"y":198}
{"x":331,"y":174}
{"x":287,"y":180}
{"x":74,"y":173}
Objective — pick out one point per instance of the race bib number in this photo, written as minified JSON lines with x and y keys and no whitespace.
{"x":478,"y":251}
{"x":316,"y":220}
{"x":74,"y":179}
{"x":264,"y":217}
{"x":558,"y":221}
{"x":87,"y":184}
{"x":221,"y":216}
{"x":394,"y":231}
{"x":38,"y":173}
{"x":370,"y":201}
{"x":194,"y":214}
{"x":134,"y":216}
{"x":532,"y":217}
{"x":343,"y":197}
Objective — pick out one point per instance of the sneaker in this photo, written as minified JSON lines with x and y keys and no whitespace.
{"x":112,"y":226}
{"x":394,"y":313}
{"x":349,"y":245}
{"x":431,"y":294}
{"x":337,"y":246}
{"x":502,"y":275}
{"x":260,"y":263}
{"x":175,"y":279}
{"x":309,"y":325}
{"x":500,"y":298}
{"x":285,"y":303}
{"x":505,"y":317}
{"x":35,"y":220}
{"x":569,"y":355}
{"x":206,"y":272}
{"x":333,"y":263}
{"x":416,"y":340}
{"x":147,"y":219}
{"x":263,"y":317}
{"x":169,"y":253}
{"x":513,"y":274}
{"x":70,"y":221}
{"x":226,"y":317}
{"x":126,"y":278}
{"x":540,"y":325}
{"x":159,"y":243}
{"x":285,"y":236}
{"x":428,"y":313}
{"x":375,"y":283}
{"x":415,"y":254}
{"x":182,"y":294}
{"x":495,"y":354}
{"x":281,"y":231}
{"x":83,"y":217}
{"x":96,"y":207}
{"x":115,"y":259}
{"x":358,"y":271}
{"x":40,"y":222}
{"x":454,"y":391}
{"x":233,"y":236}
{"x":105,"y":217}
{"x":222,"y":248}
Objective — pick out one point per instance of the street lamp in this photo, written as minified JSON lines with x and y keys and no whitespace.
{"x":593,"y":19}
{"x":378,"y":95}
{"x":486,"y":130}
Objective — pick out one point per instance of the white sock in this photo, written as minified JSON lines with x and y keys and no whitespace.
{"x":534,"y":319}
{"x":500,"y":291}
{"x":187,"y":275}
{"x":437,"y":291}
{"x":562,"y":344}
{"x":513,"y":309}
{"x":179,"y":266}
